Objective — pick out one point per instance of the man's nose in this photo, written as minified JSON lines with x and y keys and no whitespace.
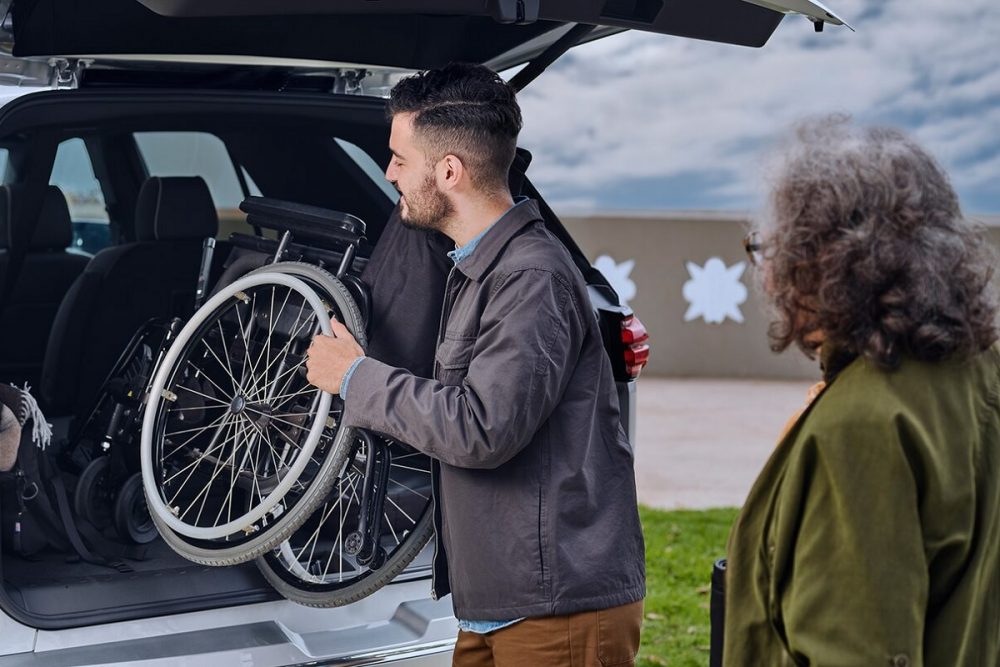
{"x":390,"y":174}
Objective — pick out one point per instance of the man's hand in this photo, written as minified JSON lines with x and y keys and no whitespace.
{"x":330,"y":357}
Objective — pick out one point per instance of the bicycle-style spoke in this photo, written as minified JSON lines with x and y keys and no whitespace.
{"x":421,"y":470}
{"x":226,"y":368}
{"x":213,"y":424}
{"x":191,"y":467}
{"x":225,"y":352}
{"x":288,"y":372}
{"x":274,"y":322}
{"x":273,"y":418}
{"x":215,"y":472}
{"x":276,"y":463}
{"x":198,"y":407}
{"x":245,"y":337}
{"x":260,"y":392}
{"x":208,"y":485}
{"x":200,"y":372}
{"x":270,"y":444}
{"x":308,"y":389}
{"x":206,"y":396}
{"x":401,"y":510}
{"x":200,"y":429}
{"x":228,"y":504}
{"x":287,"y":376}
{"x":385,"y":517}
{"x":314,"y":537}
{"x":417,"y":493}
{"x":253,"y":389}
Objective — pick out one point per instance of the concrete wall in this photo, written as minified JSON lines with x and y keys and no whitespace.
{"x":661,"y":246}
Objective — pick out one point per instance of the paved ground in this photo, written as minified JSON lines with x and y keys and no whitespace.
{"x":702,"y":442}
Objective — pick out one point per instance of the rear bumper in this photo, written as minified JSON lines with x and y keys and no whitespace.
{"x":398,"y":625}
{"x":428,"y":655}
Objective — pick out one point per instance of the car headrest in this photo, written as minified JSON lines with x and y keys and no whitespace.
{"x":176,"y":208}
{"x":53,"y":229}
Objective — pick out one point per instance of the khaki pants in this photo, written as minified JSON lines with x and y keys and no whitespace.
{"x":605,"y":638}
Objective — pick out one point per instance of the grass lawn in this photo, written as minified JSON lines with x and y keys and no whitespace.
{"x":680,"y":549}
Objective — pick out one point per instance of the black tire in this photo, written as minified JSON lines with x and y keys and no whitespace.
{"x":132,"y":519}
{"x":93,"y":497}
{"x":299,"y":585}
{"x":241,"y":548}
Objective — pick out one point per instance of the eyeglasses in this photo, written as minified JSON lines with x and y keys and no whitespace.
{"x":754,"y":248}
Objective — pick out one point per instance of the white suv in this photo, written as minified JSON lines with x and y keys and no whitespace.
{"x":280,"y":98}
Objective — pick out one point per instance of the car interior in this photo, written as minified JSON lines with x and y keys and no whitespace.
{"x":75,"y":306}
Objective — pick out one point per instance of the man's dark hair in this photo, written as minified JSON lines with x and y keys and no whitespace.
{"x":467,"y":111}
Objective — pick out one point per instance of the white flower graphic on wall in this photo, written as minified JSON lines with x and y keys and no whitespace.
{"x":715,"y":291}
{"x":618,"y":275}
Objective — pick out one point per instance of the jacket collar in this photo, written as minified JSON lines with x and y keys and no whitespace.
{"x":492,"y":244}
{"x":833,"y":359}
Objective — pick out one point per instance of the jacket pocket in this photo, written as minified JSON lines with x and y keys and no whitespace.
{"x":453,"y":357}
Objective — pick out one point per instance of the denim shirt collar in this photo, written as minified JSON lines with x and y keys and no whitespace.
{"x":476,"y":266}
{"x":462,"y":252}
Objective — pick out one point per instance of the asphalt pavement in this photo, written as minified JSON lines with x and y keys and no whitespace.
{"x":702,"y":442}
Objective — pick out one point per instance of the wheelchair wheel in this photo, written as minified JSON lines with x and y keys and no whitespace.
{"x":93,"y":496}
{"x":237,"y":447}
{"x":321,"y":564}
{"x":132,"y":520}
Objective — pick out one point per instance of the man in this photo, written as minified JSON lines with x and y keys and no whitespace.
{"x":538,"y":535}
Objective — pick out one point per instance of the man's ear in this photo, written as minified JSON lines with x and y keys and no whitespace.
{"x":450,"y":172}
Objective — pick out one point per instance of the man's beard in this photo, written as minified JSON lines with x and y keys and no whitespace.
{"x":427,"y":208}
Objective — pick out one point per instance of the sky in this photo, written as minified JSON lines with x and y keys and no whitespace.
{"x":639,"y":121}
{"x":651,"y":122}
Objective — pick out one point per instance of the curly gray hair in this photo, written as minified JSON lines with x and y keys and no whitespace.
{"x":867,"y":246}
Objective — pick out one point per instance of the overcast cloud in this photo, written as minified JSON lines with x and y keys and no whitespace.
{"x":644,"y":121}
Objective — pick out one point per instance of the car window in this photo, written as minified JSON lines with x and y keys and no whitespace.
{"x":251,"y":186}
{"x":370,"y":167}
{"x":73,"y":173}
{"x":4,"y":156}
{"x":197,"y":154}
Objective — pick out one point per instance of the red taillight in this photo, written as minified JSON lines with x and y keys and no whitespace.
{"x":634,"y":337}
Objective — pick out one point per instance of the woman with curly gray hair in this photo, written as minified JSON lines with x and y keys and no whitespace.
{"x":872,"y":536}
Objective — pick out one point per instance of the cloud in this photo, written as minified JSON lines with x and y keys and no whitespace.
{"x":654,"y":108}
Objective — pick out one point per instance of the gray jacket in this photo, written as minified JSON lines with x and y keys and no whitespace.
{"x":534,"y":493}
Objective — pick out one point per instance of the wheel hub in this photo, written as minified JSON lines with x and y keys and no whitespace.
{"x":238,"y":405}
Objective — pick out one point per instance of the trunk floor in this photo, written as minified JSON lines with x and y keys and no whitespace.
{"x":57,"y":591}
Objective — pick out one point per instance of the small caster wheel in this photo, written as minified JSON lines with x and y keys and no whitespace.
{"x":132,"y":520}
{"x":93,"y":496}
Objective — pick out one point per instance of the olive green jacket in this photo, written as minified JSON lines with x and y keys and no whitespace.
{"x":872,"y":536}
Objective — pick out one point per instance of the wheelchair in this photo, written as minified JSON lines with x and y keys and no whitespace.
{"x":239,"y":457}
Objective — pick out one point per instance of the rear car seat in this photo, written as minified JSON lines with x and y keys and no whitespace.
{"x":45,"y":277}
{"x":125,"y":286}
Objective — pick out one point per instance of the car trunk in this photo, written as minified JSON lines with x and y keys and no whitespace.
{"x":295,"y":132}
